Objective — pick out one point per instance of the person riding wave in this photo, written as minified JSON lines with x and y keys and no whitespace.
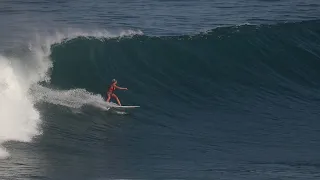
{"x":111,"y":90}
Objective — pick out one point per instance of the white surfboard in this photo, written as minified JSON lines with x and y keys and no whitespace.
{"x":123,"y":107}
{"x":112,"y":105}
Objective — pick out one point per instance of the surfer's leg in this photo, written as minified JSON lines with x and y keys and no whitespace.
{"x":108,"y":99}
{"x":116,"y":97}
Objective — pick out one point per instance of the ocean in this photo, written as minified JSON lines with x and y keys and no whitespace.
{"x":227,"y":90}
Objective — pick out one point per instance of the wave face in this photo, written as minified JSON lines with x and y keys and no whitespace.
{"x":222,"y":66}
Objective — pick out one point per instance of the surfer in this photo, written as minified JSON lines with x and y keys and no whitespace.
{"x":111,"y":90}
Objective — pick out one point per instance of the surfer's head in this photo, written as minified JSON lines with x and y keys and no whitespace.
{"x":114,"y":81}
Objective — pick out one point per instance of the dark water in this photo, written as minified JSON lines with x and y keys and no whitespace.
{"x":228,"y":90}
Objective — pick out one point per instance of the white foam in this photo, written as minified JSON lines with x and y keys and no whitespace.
{"x":19,"y":119}
{"x":73,"y":98}
{"x":3,"y":153}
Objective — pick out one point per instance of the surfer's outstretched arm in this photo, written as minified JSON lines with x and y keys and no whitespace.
{"x":121,"y":88}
